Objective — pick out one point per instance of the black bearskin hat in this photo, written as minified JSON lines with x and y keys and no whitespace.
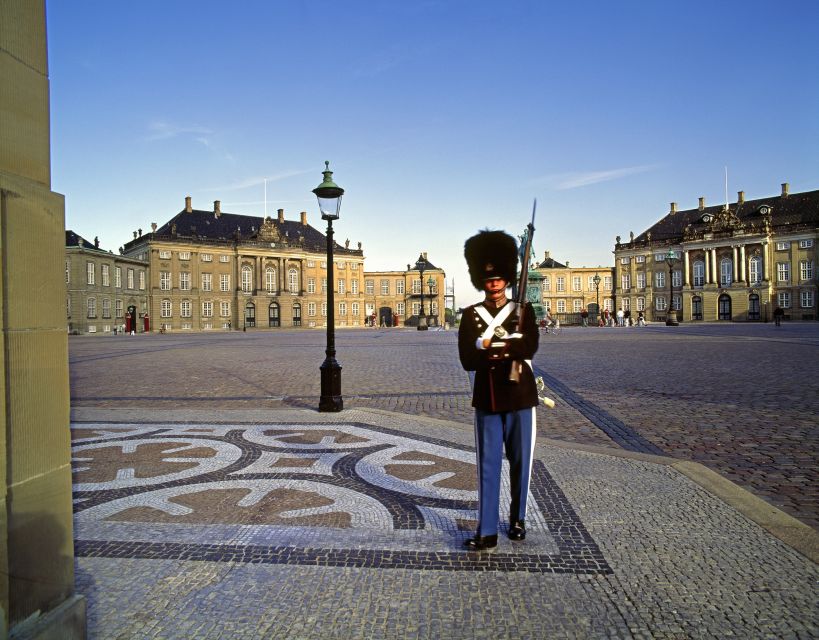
{"x":491,"y":254}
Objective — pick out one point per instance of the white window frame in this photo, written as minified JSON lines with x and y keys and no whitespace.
{"x":639,"y":258}
{"x":270,"y":279}
{"x":164,"y":254}
{"x":105,"y":276}
{"x":165,"y":308}
{"x":659,"y":279}
{"x":607,"y":282}
{"x":224,"y":282}
{"x":369,"y":287}
{"x":660,"y":303}
{"x":806,"y":244}
{"x":118,"y":277}
{"x":207,"y":309}
{"x":641,"y":279}
{"x":90,"y":273}
{"x":783,"y":245}
{"x":311,"y":288}
{"x":625,"y":281}
{"x":755,"y":270}
{"x":207,"y":282}
{"x":185,"y":309}
{"x":342,"y":285}
{"x":184,"y":280}
{"x":399,"y":287}
{"x":224,"y":308}
{"x":385,"y":287}
{"x":293,"y":280}
{"x":783,"y":298}
{"x":354,"y":286}
{"x":805,"y":270}
{"x":561,"y":284}
{"x":311,"y":309}
{"x":184,"y":255}
{"x":206,"y":257}
{"x":224,"y":258}
{"x":561,"y":306}
{"x":806,"y":299}
{"x":130,"y":278}
{"x":247,"y":278}
{"x":783,"y":271}
{"x":726,"y":272}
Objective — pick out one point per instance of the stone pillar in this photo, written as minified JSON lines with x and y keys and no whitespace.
{"x":736,"y":263}
{"x":37,"y":596}
{"x":765,"y":262}
{"x":686,"y":269}
{"x":707,"y":257}
{"x":714,"y":272}
{"x":742,"y":265}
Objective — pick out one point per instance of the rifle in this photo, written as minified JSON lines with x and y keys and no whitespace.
{"x":517,"y":365}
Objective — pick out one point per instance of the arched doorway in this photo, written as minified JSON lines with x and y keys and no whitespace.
{"x":274,"y":317}
{"x":250,"y":315}
{"x":753,"y":307}
{"x":296,"y":314}
{"x":385,"y":316}
{"x":724,"y":307}
{"x":696,"y":308}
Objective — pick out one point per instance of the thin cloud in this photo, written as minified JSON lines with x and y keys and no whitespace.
{"x":255,"y":181}
{"x":577,"y":179}
{"x":161,"y":130}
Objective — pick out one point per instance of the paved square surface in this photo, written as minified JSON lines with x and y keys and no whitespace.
{"x":213,"y":501}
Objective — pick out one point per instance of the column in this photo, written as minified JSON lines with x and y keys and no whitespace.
{"x":742,"y":267}
{"x":736,"y":263}
{"x":686,"y":269}
{"x":707,"y":257}
{"x":765,"y":263}
{"x":714,"y":272}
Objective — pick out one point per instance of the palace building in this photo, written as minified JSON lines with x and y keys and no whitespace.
{"x":395,"y":297}
{"x":566,"y":290}
{"x":212,"y":270}
{"x":734,"y":261}
{"x":103,"y":290}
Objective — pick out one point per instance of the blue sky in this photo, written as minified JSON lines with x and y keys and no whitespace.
{"x":439,"y":118}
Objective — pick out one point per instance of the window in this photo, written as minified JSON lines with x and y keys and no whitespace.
{"x":784,"y":299}
{"x":90,"y":273}
{"x":207,"y":309}
{"x":547,"y":283}
{"x":385,"y":287}
{"x":323,"y":309}
{"x":805,"y":244}
{"x":641,"y":304}
{"x":311,"y":263}
{"x":625,"y":281}
{"x":323,"y":264}
{"x":726,"y":271}
{"x":354,"y":310}
{"x":659,"y":257}
{"x":590,"y":284}
{"x":118,"y":308}
{"x":142,"y":280}
{"x":577,"y":305}
{"x":184,"y":255}
{"x":324,"y":285}
{"x":206,"y":257}
{"x":354,"y":286}
{"x":806,"y":270}
{"x":342,"y":309}
{"x":783,"y":271}
{"x":699,"y":273}
{"x":224,"y":309}
{"x":207,"y":282}
{"x":561,"y":283}
{"x":311,"y":286}
{"x":676,"y":303}
{"x":369,"y":287}
{"x":293,"y":281}
{"x":247,"y":279}
{"x":130,"y":276}
{"x":755,"y":270}
{"x":311,"y":309}
{"x":399,"y":308}
{"x":416,"y":285}
{"x":577,"y":283}
{"x":607,"y":283}
{"x":626,"y":304}
{"x":224,"y":258}
{"x":660,"y":303}
{"x":659,"y":279}
{"x":354,"y":266}
{"x":270,"y":280}
{"x":185,"y":308}
{"x":806,"y":299}
{"x":341,"y":285}
{"x":624,"y":260}
{"x":399,"y":287}
{"x":106,"y":308}
{"x":641,"y":280}
{"x":340,"y":264}
{"x":608,"y":304}
{"x":164,"y":255}
{"x":185,"y":280}
{"x":106,"y":278}
{"x":224,"y":282}
{"x":782,"y":246}
{"x":165,"y":309}
{"x":676,"y":279}
{"x":639,"y":259}
{"x":118,"y":277}
{"x":561,"y":306}
{"x":416,"y":308}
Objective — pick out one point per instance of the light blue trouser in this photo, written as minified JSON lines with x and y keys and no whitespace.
{"x":513,"y":431}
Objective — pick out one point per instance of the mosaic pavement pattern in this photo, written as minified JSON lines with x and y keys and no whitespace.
{"x":333,"y":495}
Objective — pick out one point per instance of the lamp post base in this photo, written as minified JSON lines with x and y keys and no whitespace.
{"x":671,"y":319}
{"x":422,"y":323}
{"x":330,"y":400}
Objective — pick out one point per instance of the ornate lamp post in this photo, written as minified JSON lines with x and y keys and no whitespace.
{"x":329,"y":200}
{"x":671,"y":317}
{"x":431,"y":284}
{"x":421,"y":264}
{"x":596,"y":281}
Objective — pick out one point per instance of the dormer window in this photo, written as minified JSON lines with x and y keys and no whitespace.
{"x":707,"y":218}
{"x":764,"y":210}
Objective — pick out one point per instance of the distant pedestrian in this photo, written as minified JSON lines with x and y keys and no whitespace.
{"x":627,"y":317}
{"x":584,"y":318}
{"x":620,"y":318}
{"x":778,"y":313}
{"x":641,"y":320}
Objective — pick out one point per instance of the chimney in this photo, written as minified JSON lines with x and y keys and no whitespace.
{"x":304,"y":218}
{"x":567,"y":264}
{"x":188,"y":207}
{"x":140,"y":232}
{"x":96,"y":242}
{"x":153,"y":227}
{"x":702,"y":203}
{"x":217,"y":208}
{"x":785,"y":188}
{"x":545,"y":255}
{"x":281,"y":215}
{"x":740,"y":197}
{"x":674,"y":207}
{"x":425,"y":255}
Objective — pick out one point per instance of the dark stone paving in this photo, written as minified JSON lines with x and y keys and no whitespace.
{"x":742,"y":399}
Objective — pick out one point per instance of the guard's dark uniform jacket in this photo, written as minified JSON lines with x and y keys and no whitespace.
{"x":493,"y":391}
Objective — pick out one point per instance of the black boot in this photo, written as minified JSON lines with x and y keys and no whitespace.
{"x":481,"y":543}
{"x":517,"y":530}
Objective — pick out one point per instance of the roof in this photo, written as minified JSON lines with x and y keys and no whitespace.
{"x":76,"y":240}
{"x":550,"y":263}
{"x":198,"y":225}
{"x":794,"y":211}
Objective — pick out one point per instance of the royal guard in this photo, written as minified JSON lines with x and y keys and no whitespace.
{"x":493,"y":339}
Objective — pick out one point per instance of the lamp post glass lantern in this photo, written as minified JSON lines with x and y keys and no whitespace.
{"x":671,"y":317}
{"x":596,"y":281}
{"x":329,"y":201}
{"x":431,"y":284}
{"x":421,"y":265}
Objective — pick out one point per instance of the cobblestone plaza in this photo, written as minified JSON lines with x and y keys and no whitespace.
{"x":213,"y":501}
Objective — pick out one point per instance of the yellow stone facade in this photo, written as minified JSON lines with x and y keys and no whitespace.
{"x":394,"y":297}
{"x":567,"y":290}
